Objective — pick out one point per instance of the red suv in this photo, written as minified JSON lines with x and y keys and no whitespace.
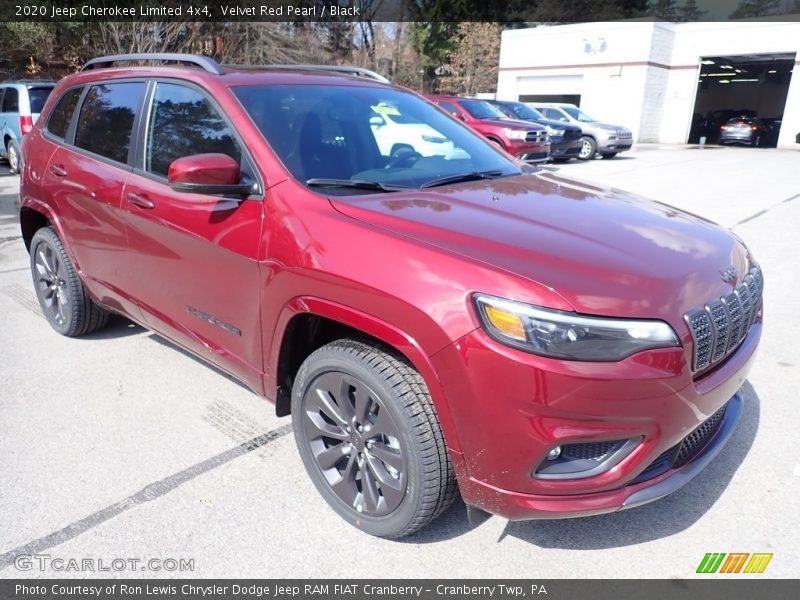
{"x":522,"y":139}
{"x":456,"y":320}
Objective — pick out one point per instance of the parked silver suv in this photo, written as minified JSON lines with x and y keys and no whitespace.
{"x":598,"y":137}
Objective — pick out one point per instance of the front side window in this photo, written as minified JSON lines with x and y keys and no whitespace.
{"x":10,"y":100}
{"x":106,"y":119}
{"x":59,"y":120}
{"x":183,"y":122}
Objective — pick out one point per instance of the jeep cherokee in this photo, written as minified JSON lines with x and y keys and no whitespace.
{"x":463,"y":321}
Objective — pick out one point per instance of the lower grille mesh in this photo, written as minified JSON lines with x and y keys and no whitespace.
{"x":686,"y":449}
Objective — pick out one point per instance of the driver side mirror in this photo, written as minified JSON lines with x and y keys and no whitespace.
{"x":376,"y":121}
{"x":213,"y":173}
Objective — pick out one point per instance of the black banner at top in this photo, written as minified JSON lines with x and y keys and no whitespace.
{"x":502,"y":11}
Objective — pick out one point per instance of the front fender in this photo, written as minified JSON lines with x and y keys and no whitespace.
{"x":371,"y":325}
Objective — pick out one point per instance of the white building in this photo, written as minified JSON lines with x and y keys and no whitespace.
{"x":658,"y":78}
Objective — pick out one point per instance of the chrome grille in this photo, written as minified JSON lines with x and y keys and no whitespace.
{"x":536,"y":136}
{"x":720,"y":326}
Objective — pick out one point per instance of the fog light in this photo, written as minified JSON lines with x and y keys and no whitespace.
{"x":584,"y":459}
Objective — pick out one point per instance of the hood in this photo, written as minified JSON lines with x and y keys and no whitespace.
{"x":557,"y":124}
{"x":512,"y":124}
{"x":604,"y":251}
{"x":606,"y":126}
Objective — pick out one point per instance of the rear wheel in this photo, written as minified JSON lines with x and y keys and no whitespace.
{"x":588,"y":148}
{"x":370,"y":440}
{"x":12,"y":153}
{"x":61,"y":294}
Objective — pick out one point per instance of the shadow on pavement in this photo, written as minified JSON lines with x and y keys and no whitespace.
{"x":659,"y":519}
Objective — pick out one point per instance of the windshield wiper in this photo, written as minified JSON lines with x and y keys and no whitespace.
{"x":361,"y":184}
{"x":473,"y":176}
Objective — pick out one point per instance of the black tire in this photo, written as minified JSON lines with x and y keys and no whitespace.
{"x":609,"y":155}
{"x":589,"y":148}
{"x":68,"y":308}
{"x":13,"y":156}
{"x":373,"y":446}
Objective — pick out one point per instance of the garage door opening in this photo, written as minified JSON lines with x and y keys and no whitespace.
{"x":566,"y":98}
{"x":749,"y":91}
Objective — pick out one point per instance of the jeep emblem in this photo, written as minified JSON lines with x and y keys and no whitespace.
{"x":728,"y":274}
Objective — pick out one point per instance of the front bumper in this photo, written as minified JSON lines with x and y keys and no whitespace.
{"x":511,"y":408}
{"x":616,"y":145}
{"x":527,"y":151}
{"x":565,"y":149}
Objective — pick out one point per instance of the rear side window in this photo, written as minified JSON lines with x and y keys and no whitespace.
{"x":106,"y":119}
{"x":182,"y":123}
{"x":38,"y":96}
{"x":59,"y":120}
{"x":10,"y":101}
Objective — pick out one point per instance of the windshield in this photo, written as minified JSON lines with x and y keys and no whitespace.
{"x":523,"y":111}
{"x":577,"y":114}
{"x":38,"y":96}
{"x":344,"y":138}
{"x":480,"y":109}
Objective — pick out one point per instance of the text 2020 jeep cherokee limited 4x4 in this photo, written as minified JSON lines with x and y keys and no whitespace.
{"x":552,"y":348}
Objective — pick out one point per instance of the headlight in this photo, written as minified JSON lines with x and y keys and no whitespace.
{"x":568,"y":335}
{"x":553,"y":132}
{"x":515,"y":134}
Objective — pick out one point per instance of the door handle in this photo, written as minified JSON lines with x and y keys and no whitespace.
{"x":58,"y":170}
{"x":141,"y":200}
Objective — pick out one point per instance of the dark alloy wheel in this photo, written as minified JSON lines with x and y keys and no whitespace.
{"x":64,"y":302}
{"x":370,"y":440}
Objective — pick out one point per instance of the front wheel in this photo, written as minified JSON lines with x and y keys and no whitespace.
{"x":65,"y":304}
{"x":588,"y":148}
{"x":368,"y":435}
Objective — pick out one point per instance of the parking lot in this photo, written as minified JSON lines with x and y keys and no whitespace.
{"x":118,"y":445}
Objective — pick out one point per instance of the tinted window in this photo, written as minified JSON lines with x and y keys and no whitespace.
{"x":10,"y":101}
{"x":480,"y":109}
{"x":183,"y":122}
{"x":449,"y":108}
{"x":106,"y":119}
{"x":523,"y":111}
{"x":350,"y":133}
{"x":62,"y":113}
{"x":38,"y":96}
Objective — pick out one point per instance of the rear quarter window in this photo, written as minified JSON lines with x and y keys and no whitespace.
{"x":106,"y":119}
{"x":38,"y":96}
{"x":60,"y":118}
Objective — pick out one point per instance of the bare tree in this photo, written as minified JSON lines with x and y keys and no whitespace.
{"x":471,"y":66}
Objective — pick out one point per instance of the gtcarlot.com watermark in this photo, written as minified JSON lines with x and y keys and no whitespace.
{"x":45,"y":562}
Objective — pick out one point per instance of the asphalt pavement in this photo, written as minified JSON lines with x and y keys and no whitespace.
{"x":118,"y":446}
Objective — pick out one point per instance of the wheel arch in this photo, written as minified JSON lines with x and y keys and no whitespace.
{"x":307,"y":323}
{"x":35,"y":214}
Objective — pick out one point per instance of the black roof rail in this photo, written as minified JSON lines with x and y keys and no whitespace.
{"x":204,"y":62}
{"x":333,"y":69}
